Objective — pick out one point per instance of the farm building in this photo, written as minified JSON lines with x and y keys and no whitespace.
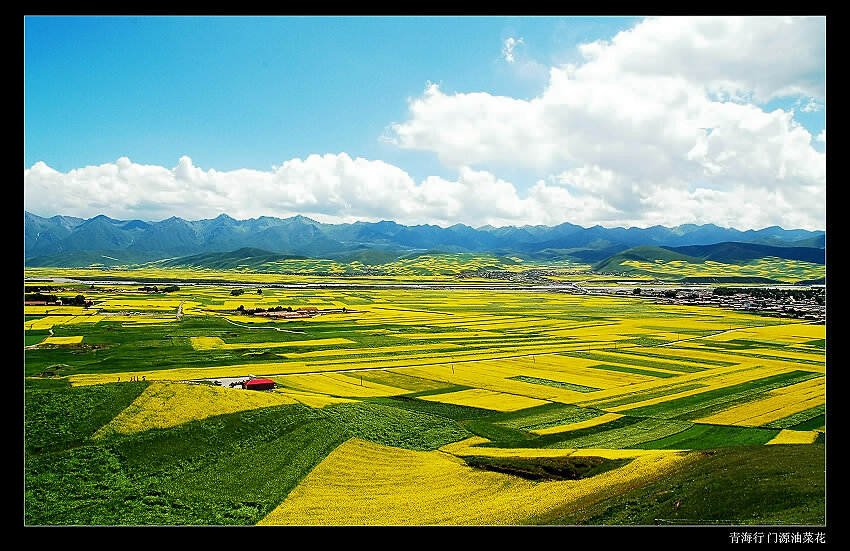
{"x":259,"y":384}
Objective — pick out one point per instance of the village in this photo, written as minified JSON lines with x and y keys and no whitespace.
{"x":808,"y":303}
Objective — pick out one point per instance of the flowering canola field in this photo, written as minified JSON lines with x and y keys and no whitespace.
{"x":522,"y":374}
{"x":362,"y":483}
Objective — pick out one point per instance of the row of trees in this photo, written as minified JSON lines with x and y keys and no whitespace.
{"x":78,"y":300}
{"x":155,"y":289}
{"x":272,"y":309}
{"x":237,"y":292}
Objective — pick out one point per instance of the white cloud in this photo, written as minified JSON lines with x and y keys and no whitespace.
{"x":331,"y":188}
{"x":337,"y":188}
{"x":649,"y":129}
{"x":812,"y":106}
{"x":508,"y":48}
{"x":669,"y":105}
{"x":762,"y":57}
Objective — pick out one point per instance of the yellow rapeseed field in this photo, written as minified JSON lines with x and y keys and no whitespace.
{"x":361,"y":483}
{"x":598,"y":420}
{"x":63,"y":340}
{"x":788,"y":436}
{"x":485,"y":399}
{"x":163,"y":405}
{"x":212,"y":343}
{"x":338,"y":384}
{"x":778,"y":403}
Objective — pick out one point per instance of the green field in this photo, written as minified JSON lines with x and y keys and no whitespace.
{"x":517,"y":395}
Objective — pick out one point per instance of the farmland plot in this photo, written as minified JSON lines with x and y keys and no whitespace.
{"x":525,"y":378}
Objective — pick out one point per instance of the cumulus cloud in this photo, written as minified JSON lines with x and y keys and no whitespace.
{"x":673,"y":104}
{"x":663,"y":124}
{"x":758,"y":57}
{"x":336,"y":188}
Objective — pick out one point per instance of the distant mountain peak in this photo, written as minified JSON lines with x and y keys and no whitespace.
{"x":302,"y":235}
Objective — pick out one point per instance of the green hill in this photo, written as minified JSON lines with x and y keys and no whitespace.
{"x":246,"y":257}
{"x":644,"y":253}
{"x":709,"y":491}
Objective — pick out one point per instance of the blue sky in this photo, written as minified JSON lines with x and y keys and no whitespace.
{"x":499,"y":120}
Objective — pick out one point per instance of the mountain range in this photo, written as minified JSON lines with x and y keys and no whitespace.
{"x":72,"y":241}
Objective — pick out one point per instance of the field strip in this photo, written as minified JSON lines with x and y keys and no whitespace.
{"x":788,"y":436}
{"x":779,"y":403}
{"x":659,"y":359}
{"x":601,"y":419}
{"x":370,"y":353}
{"x":62,"y":340}
{"x":165,"y":404}
{"x":713,"y":379}
{"x":338,"y":384}
{"x":789,"y":354}
{"x":485,"y":399}
{"x":448,"y":335}
{"x":216,"y":343}
{"x":738,"y":329}
{"x":715,"y":384}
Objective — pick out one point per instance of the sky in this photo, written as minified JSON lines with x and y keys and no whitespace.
{"x":611,"y":121}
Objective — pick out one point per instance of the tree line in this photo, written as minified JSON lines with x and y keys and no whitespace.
{"x":78,"y":300}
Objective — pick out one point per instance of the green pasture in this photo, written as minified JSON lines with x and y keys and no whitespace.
{"x":731,"y":486}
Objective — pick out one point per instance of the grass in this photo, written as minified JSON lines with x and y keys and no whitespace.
{"x":634,"y":370}
{"x":234,"y":469}
{"x":201,"y":473}
{"x":746,"y":485}
{"x":223,"y":470}
{"x":544,"y":416}
{"x":700,"y":437}
{"x":562,"y":439}
{"x":58,"y":417}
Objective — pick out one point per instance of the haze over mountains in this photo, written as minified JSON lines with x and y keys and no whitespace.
{"x":72,"y":241}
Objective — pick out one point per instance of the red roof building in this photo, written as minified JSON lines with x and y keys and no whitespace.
{"x":259,"y":384}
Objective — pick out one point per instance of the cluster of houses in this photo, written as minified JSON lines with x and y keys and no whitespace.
{"x":527,"y":276}
{"x":784,"y":306}
{"x":42,"y":303}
